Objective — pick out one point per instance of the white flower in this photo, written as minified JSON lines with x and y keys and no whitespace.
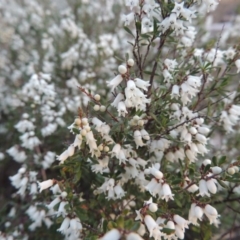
{"x":145,"y":134}
{"x":175,"y":92}
{"x":230,"y":53}
{"x":132,"y":3}
{"x":165,"y":24}
{"x":170,"y":64}
{"x":133,"y":236}
{"x":192,"y":215}
{"x":237,"y":63}
{"x":180,"y":221}
{"x":151,"y":225}
{"x":113,"y":234}
{"x":142,"y":84}
{"x":178,"y":8}
{"x":71,"y":150}
{"x":119,"y":191}
{"x":198,"y":212}
{"x":211,"y":185}
{"x":156,"y":173}
{"x":138,"y":138}
{"x":63,"y":156}
{"x":118,"y":98}
{"x":65,"y":225}
{"x":45,"y":184}
{"x":147,"y":25}
{"x":203,"y":189}
{"x":122,"y":110}
{"x":115,"y":82}
{"x":166,"y":192}
{"x":153,"y":187}
{"x":127,"y":18}
{"x":212,"y":214}
{"x":179,"y":232}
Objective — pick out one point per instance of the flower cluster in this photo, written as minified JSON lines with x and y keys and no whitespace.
{"x":152,"y":113}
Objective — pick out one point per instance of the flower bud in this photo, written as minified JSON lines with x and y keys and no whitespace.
{"x":207,"y":162}
{"x":106,"y":149}
{"x":170,"y":225}
{"x":102,"y":108}
{"x":130,"y":62}
{"x":84,"y":121}
{"x":111,"y":235}
{"x":236,"y":168}
{"x":100,"y":147}
{"x":97,"y":97}
{"x":231,"y":170}
{"x":77,"y":121}
{"x":122,"y":69}
{"x":216,"y":170}
{"x":96,"y":108}
{"x":153,"y":207}
{"x":156,"y":173}
{"x":193,"y":130}
{"x":83,"y":132}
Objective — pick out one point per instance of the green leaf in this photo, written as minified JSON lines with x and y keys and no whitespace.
{"x":222,"y":160}
{"x":105,"y":225}
{"x":128,"y":31}
{"x":176,"y":181}
{"x":224,"y":185}
{"x":135,"y":226}
{"x":206,"y":168}
{"x":214,"y":160}
{"x":120,"y":222}
{"x":138,"y":26}
{"x":168,"y":231}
